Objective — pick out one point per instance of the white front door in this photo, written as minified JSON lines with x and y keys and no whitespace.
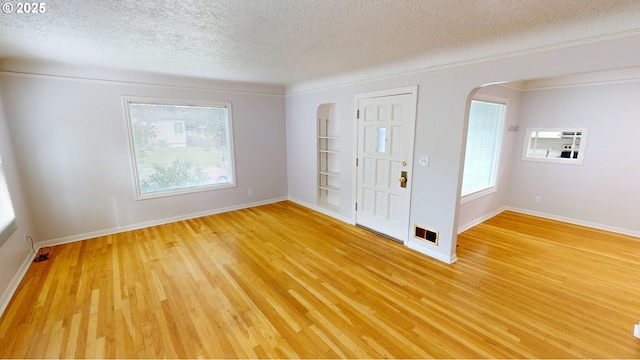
{"x":386,"y":124}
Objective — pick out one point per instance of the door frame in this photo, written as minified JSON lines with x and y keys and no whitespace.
{"x":413,"y":91}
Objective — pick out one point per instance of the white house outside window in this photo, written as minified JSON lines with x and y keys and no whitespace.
{"x":483,"y":148}
{"x":7,"y":214}
{"x":180,"y":147}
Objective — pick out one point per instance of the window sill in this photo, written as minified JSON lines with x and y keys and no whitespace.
{"x":191,"y":190}
{"x":477,"y":195}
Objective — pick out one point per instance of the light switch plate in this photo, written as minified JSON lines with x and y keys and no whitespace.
{"x":424,"y":160}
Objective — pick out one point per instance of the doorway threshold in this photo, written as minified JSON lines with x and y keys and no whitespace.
{"x":379,"y":233}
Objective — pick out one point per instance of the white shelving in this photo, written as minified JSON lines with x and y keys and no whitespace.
{"x":328,"y":158}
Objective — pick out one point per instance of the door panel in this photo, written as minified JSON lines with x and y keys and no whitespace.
{"x":385,"y":149}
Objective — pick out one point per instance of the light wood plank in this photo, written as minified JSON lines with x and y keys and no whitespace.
{"x":282,"y":281}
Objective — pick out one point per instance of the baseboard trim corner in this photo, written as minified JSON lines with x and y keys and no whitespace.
{"x":481,"y":219}
{"x":322,"y":210}
{"x":450,"y":259}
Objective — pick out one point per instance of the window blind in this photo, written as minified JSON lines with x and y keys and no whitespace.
{"x":7,"y":215}
{"x":483,"y":145}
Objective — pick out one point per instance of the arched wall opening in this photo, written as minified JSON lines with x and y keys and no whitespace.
{"x":594,"y":193}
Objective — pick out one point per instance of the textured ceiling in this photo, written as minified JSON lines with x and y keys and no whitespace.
{"x":295,"y":41}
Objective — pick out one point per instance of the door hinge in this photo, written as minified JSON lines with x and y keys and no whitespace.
{"x":356,"y":206}
{"x":358,"y":114}
{"x":356,"y":162}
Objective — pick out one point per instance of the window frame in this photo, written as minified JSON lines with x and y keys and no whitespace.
{"x":498,"y":147}
{"x":579,"y":160}
{"x":139,"y":195}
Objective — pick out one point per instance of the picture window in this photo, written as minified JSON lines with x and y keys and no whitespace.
{"x":179,"y":147}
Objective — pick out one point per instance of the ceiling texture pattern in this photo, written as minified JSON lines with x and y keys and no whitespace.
{"x":288,"y":42}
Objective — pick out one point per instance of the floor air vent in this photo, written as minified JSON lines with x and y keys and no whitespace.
{"x":425,"y":234}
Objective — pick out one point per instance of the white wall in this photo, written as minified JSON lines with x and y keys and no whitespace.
{"x":71,"y":146}
{"x":442,"y":109}
{"x":14,"y":253}
{"x":605,"y":191}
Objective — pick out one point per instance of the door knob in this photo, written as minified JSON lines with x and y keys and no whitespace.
{"x":403,"y":179}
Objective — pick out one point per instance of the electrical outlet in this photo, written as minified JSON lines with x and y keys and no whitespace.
{"x":250,"y":192}
{"x":537,"y":199}
{"x":26,"y":238}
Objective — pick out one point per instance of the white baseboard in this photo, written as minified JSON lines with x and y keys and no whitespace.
{"x":111,"y":231}
{"x":322,"y":210}
{"x":598,"y":226}
{"x":544,"y":215}
{"x":15,"y":282}
{"x":480,"y":220}
{"x":449,"y":259}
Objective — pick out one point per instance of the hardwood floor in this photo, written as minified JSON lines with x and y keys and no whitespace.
{"x":282,"y":281}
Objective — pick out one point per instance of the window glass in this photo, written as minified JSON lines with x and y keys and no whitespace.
{"x":382,"y":142}
{"x":179,"y":148}
{"x":555,"y":145}
{"x":7,"y":214}
{"x":178,"y":128}
{"x":483,"y":146}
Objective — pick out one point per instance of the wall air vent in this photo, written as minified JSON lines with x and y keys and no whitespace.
{"x":425,"y":234}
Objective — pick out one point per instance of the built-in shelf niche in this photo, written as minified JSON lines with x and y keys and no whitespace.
{"x":328,"y":157}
